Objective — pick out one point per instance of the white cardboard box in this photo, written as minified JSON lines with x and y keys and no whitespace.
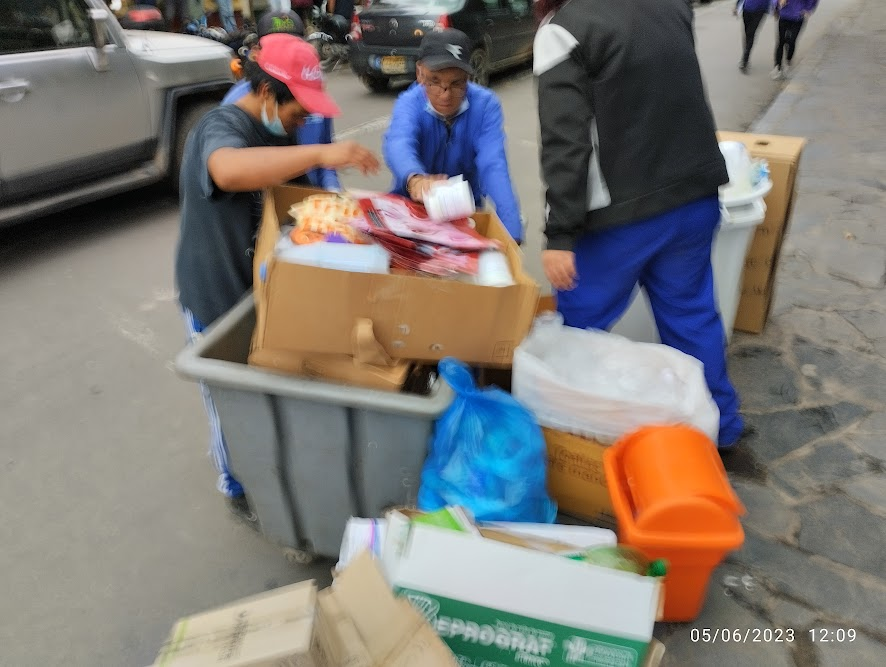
{"x":498,"y":605}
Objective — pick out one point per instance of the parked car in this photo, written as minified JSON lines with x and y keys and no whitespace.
{"x":386,"y":46}
{"x":88,"y":109}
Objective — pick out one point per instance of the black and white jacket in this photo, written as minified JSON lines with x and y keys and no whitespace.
{"x":626,"y":129}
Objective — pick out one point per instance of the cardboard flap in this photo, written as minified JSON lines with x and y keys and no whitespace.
{"x":366,"y":348}
{"x":383,"y":622}
{"x":339,"y":635}
{"x":534,"y":543}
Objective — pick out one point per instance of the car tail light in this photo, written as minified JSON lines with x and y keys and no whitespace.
{"x":443,"y":22}
{"x":356,"y":31}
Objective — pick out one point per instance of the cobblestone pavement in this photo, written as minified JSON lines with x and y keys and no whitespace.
{"x":811,"y":467}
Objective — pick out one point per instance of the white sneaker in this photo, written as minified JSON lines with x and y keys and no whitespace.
{"x":777,"y":74}
{"x":788,"y":69}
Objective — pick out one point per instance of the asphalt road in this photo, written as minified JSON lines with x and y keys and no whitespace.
{"x":111,"y":525}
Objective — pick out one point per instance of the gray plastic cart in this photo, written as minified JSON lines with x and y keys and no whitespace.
{"x":310,"y":454}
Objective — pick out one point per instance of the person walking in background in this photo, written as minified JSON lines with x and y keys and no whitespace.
{"x":791,"y":14}
{"x":178,"y":14}
{"x":752,"y":14}
{"x":279,"y":6}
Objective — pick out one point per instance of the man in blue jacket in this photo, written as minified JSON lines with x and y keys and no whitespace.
{"x":316,"y":130}
{"x":444,"y":126}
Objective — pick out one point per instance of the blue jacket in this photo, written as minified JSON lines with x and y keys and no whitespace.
{"x":418,"y":142}
{"x":793,"y":10}
{"x":316,"y":130}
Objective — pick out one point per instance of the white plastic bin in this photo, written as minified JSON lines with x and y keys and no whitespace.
{"x":740,"y":217}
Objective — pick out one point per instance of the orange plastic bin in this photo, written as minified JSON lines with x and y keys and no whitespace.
{"x":672,"y":500}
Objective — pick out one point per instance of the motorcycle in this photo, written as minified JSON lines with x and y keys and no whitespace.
{"x":331,"y":39}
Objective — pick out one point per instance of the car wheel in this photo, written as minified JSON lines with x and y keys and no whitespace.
{"x":375,"y":83}
{"x":188,"y":117}
{"x":480,"y":63}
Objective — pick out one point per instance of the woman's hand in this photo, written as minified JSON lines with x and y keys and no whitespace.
{"x":559,"y":268}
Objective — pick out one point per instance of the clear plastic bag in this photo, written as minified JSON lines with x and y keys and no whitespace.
{"x":487,"y":455}
{"x":603,"y":386}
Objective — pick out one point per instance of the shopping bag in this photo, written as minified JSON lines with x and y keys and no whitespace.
{"x":487,"y":455}
{"x":603,"y":386}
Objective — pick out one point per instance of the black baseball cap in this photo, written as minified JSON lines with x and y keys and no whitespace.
{"x":444,"y":49}
{"x":289,"y":23}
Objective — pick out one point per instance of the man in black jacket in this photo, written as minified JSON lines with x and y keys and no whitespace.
{"x":631,"y":164}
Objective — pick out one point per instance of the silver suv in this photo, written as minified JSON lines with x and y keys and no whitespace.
{"x":88,"y":109}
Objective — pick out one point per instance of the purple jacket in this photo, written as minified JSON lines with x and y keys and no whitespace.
{"x":755,"y":5}
{"x":793,"y":10}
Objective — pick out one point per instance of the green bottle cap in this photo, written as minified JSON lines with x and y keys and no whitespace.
{"x":657,"y":568}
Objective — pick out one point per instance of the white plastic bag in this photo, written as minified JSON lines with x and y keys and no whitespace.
{"x":602,"y":385}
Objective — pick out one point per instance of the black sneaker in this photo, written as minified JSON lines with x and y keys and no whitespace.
{"x":239,"y":507}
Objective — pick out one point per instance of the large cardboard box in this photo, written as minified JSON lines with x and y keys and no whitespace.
{"x":761,"y":264}
{"x":576,"y":480}
{"x":308,"y":309}
{"x":266,"y":630}
{"x":362,"y":624}
{"x":498,"y":604}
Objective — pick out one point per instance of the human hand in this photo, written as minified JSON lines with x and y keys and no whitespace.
{"x":559,"y":268}
{"x":345,"y":154}
{"x":420,"y":184}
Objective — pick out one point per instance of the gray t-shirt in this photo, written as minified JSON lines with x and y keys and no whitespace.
{"x":213,"y":265}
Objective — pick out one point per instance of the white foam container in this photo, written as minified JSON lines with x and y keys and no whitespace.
{"x":740,"y":217}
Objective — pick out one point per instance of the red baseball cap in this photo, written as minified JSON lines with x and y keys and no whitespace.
{"x":295,"y":63}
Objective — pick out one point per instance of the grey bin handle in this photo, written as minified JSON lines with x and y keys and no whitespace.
{"x":194,"y":364}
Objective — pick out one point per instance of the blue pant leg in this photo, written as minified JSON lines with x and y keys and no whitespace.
{"x":609,"y":263}
{"x":679,"y":280}
{"x":217,"y":447}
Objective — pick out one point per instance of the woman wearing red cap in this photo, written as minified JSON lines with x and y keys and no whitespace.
{"x":233,"y":153}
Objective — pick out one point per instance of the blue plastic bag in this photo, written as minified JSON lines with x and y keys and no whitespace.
{"x":487,"y":455}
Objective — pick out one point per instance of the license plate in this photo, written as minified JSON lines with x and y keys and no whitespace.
{"x":393,"y":65}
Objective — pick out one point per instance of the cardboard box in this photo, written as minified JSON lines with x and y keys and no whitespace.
{"x":308,"y":309}
{"x":362,"y":624}
{"x":358,"y":623}
{"x":497,"y":604}
{"x":761,"y":264}
{"x":266,"y":630}
{"x":576,"y":480}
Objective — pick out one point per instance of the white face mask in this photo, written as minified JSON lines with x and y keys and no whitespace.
{"x":275,"y":126}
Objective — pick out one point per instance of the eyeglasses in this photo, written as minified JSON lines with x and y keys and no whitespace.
{"x":457,"y":87}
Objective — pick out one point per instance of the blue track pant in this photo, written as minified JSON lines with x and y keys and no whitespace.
{"x":217,"y":448}
{"x":669,"y":255}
